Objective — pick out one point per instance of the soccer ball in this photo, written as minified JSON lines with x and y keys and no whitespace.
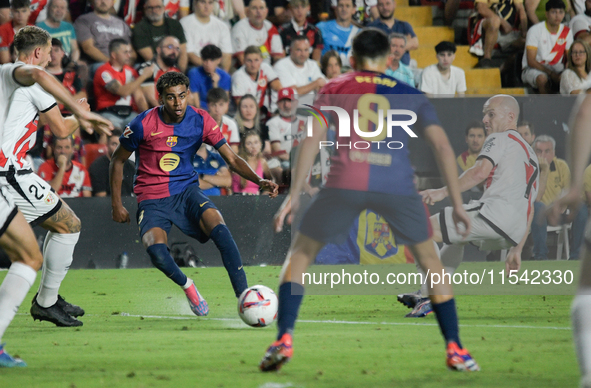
{"x":257,"y":306}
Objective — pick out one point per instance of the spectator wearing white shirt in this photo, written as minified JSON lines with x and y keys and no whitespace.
{"x":573,"y":78}
{"x":581,"y":24}
{"x":546,"y":45}
{"x":218,"y":103}
{"x":255,"y":77}
{"x":298,"y":71}
{"x":202,"y":28}
{"x":257,"y":31}
{"x":443,"y":78}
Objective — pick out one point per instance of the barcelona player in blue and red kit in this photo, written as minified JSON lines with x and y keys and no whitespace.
{"x":165,"y":140}
{"x":370,"y":170}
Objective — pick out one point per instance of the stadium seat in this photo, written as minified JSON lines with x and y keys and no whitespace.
{"x":416,"y":16}
{"x":561,"y":244}
{"x":562,"y":232}
{"x":493,"y":91}
{"x":425,"y":54}
{"x":93,"y":151}
{"x":483,"y":78}
{"x":430,"y":36}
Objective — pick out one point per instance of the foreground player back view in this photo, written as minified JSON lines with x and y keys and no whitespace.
{"x":376,"y":177}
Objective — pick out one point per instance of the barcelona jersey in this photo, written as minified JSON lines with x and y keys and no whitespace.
{"x":164,"y":152}
{"x":372,"y":154}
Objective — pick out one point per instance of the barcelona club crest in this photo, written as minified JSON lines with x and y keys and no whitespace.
{"x":171,"y":141}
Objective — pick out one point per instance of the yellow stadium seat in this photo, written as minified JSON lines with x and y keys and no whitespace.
{"x":430,"y":36}
{"x":425,"y":56}
{"x":492,"y":91}
{"x":419,"y":16}
{"x":483,"y":78}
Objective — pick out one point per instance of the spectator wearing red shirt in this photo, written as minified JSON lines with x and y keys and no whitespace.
{"x":20,"y":9}
{"x":36,"y":7}
{"x":166,"y":59}
{"x":67,"y":177}
{"x":117,"y":85}
{"x":69,"y":78}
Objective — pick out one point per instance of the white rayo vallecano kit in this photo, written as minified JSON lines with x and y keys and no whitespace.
{"x":551,"y":48}
{"x":510,"y":190}
{"x":266,"y":38}
{"x":229,"y":129}
{"x":8,"y":85}
{"x":280,"y":130}
{"x":242,"y":84}
{"x":33,"y":195}
{"x":512,"y":187}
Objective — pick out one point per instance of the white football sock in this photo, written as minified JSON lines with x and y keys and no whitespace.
{"x":581,"y":320}
{"x":188,"y":284}
{"x":451,"y":257}
{"x":14,"y":288}
{"x":58,"y":253}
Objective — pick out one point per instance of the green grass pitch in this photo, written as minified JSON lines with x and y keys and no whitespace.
{"x":139,"y":332}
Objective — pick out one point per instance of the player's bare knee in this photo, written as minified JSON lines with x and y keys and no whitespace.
{"x":154,"y":236}
{"x":35,"y":260}
{"x":210,"y":219}
{"x":30,"y":256}
{"x":436,"y":228}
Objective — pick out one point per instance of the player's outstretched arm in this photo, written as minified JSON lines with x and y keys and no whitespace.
{"x":61,"y":127}
{"x":279,"y":217}
{"x":469,"y":179}
{"x":446,"y":160}
{"x":476,"y":174}
{"x":239,"y":166}
{"x":28,"y":75}
{"x":120,"y":156}
{"x":580,"y":146}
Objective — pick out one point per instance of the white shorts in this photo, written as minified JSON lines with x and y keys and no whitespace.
{"x":482,"y":234}
{"x":529,"y":76}
{"x":506,"y":40}
{"x":8,"y":210}
{"x":33,"y":196}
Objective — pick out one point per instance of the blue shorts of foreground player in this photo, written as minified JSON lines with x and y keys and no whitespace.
{"x":183,"y":210}
{"x":330,"y":216}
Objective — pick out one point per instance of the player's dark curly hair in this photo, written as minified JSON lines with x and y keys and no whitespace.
{"x":371,"y":43}
{"x":170,"y":79}
{"x":29,"y":38}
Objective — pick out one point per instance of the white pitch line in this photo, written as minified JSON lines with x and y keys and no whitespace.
{"x":352,"y":322}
